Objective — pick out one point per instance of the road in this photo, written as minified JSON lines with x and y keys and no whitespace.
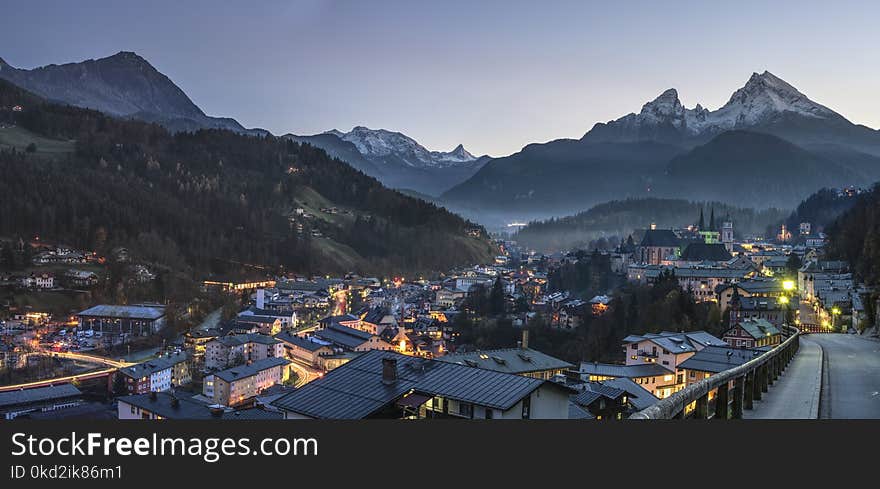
{"x":851,"y":386}
{"x":305,"y":373}
{"x":795,"y":394}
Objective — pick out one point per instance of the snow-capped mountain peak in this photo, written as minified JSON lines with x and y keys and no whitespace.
{"x":765,"y":95}
{"x":384,"y":145}
{"x":763,"y":98}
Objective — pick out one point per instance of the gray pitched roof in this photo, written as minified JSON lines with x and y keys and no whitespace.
{"x":243,"y":371}
{"x":677,"y":342}
{"x":638,"y":396}
{"x":310,"y":344}
{"x":37,"y":394}
{"x":343,"y":335}
{"x":355,"y":390}
{"x":625,"y":371}
{"x":716,"y":359}
{"x":162,"y":404}
{"x":758,"y":328}
{"x":126,"y":312}
{"x":510,"y":360}
{"x":150,"y":367}
{"x":699,"y":251}
{"x":660,"y":237}
{"x":240,"y":339}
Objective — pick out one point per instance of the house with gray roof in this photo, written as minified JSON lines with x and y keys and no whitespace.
{"x":518,"y":361}
{"x":384,"y":384}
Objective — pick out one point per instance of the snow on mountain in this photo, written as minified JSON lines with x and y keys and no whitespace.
{"x":382,"y":144}
{"x":764,"y":97}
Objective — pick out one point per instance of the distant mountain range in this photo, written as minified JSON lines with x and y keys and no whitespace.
{"x":128,"y":86}
{"x":769,"y":145}
{"x":397,"y":160}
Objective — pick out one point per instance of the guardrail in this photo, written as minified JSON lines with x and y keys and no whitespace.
{"x":749,"y":381}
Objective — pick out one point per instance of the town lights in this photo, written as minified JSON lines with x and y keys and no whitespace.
{"x":788,"y":284}
{"x":835,"y":310}
{"x":783,"y":300}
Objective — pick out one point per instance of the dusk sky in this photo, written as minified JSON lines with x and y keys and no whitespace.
{"x":491,"y":75}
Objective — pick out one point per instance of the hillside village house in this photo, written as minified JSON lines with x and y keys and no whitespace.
{"x":43,"y":280}
{"x":382,"y":384}
{"x":237,"y":385}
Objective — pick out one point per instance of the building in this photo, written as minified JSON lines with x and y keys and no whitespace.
{"x":754,"y":287}
{"x":165,"y":405}
{"x":770,"y":309}
{"x":351,"y":339}
{"x":81,"y":278}
{"x":715,"y":359}
{"x":39,"y":399}
{"x":267,"y":325}
{"x":382,"y":384}
{"x":307,"y":349}
{"x":235,"y":386}
{"x":232,"y":350}
{"x":123,"y":320}
{"x":518,"y":361}
{"x":600,"y":304}
{"x":657,"y":246}
{"x":658,"y":380}
{"x":666,"y":348}
{"x":697,"y":252}
{"x":38,"y":281}
{"x":752,"y":333}
{"x":159,"y":374}
{"x":196,"y":343}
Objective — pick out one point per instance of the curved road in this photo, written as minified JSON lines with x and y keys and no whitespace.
{"x":851,"y":380}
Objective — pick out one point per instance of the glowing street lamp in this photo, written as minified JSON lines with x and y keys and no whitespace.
{"x":783,"y":300}
{"x":788,"y":285}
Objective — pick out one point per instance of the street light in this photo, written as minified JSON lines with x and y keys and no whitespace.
{"x":788,"y":285}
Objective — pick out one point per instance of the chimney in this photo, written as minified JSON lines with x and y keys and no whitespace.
{"x":261,"y":298}
{"x":389,"y":371}
{"x":525,"y":339}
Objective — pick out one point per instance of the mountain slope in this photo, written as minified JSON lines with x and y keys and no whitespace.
{"x":562,"y":176}
{"x":397,"y":160}
{"x":763,"y":169}
{"x":122,"y":85}
{"x":202,"y":201}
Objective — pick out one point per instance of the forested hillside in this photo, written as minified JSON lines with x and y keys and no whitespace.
{"x":855,"y":236}
{"x":621,"y":217}
{"x":198,"y":200}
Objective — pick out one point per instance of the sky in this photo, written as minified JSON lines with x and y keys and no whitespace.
{"x":493,"y":75}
